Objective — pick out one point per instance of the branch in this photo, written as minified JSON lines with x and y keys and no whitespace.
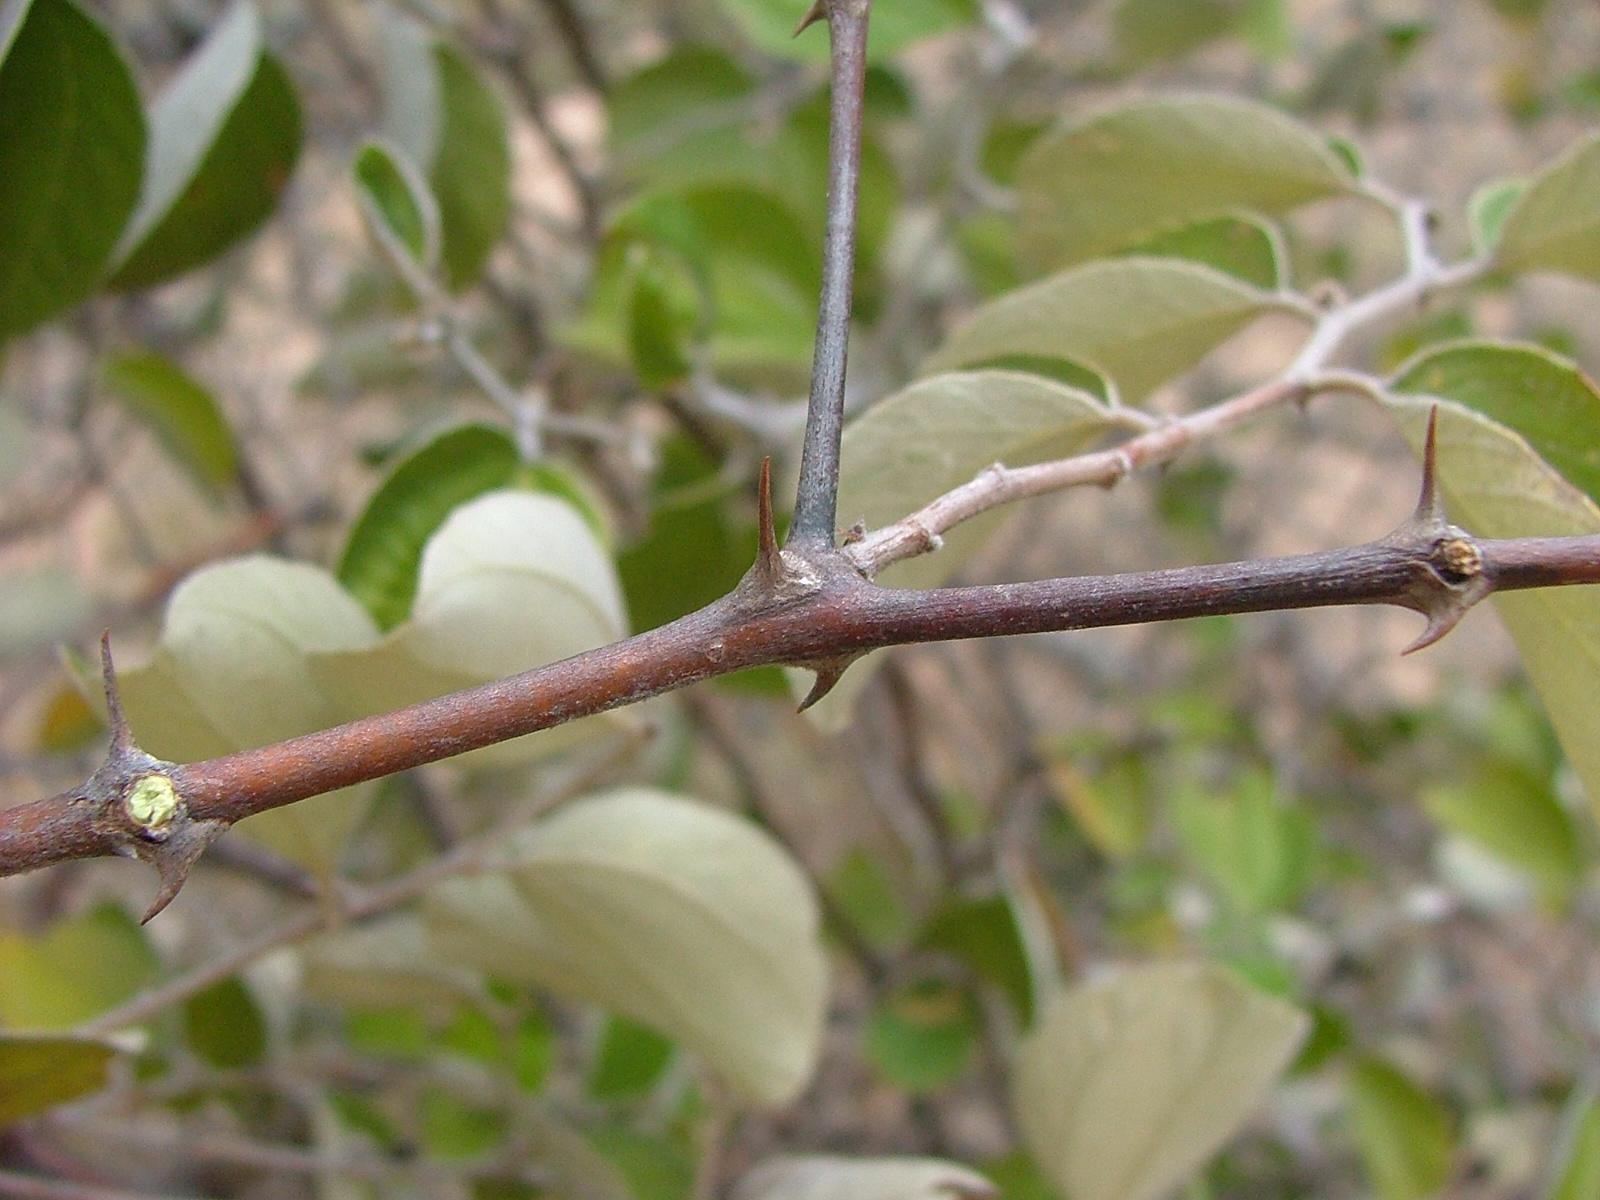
{"x":816,"y":499}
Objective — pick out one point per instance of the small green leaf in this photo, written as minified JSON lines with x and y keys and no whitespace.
{"x":1555,"y":224}
{"x":1403,"y":1133}
{"x":1257,"y":851}
{"x":663,"y":317}
{"x":686,"y":111}
{"x":1128,"y":1085}
{"x":669,"y":912}
{"x":895,"y":25}
{"x":1245,"y":247}
{"x":1159,"y":30}
{"x":630,"y":1060}
{"x":224,"y":1026}
{"x":984,"y":933}
{"x":389,"y":964}
{"x":471,"y":173}
{"x":397,"y":202}
{"x":79,"y":967}
{"x":1488,"y":209}
{"x":1513,"y":814}
{"x":921,"y":1037}
{"x":383,"y":552}
{"x":72,"y":143}
{"x":40,"y":1070}
{"x":1139,"y":321}
{"x":821,"y":1177}
{"x":224,"y":137}
{"x":181,"y":412}
{"x":1127,"y":173}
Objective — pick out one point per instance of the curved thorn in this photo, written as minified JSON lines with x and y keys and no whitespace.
{"x":828,"y":672}
{"x":174,"y":857}
{"x":815,"y":13}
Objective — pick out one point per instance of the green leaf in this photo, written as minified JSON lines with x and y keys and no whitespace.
{"x":1555,"y":224}
{"x":1256,"y":851}
{"x":685,"y":111}
{"x":41,"y":1070}
{"x":494,"y":561}
{"x":921,"y":1037}
{"x":679,"y":916}
{"x":387,"y":964}
{"x":181,"y":412}
{"x":39,"y":606}
{"x":1513,"y":814}
{"x":664,"y":314}
{"x":224,"y":137}
{"x":224,"y":1025}
{"x":823,"y":1177}
{"x":397,"y":202}
{"x":1130,"y":172}
{"x":984,"y":933}
{"x":1156,"y":30}
{"x":1497,"y":486}
{"x":1488,"y":209}
{"x":1244,"y":247}
{"x":1128,"y":1085}
{"x":1403,"y":1133}
{"x":1578,"y":1151}
{"x":1546,"y":399}
{"x":383,"y":553}
{"x":471,"y":173}
{"x":630,"y":1060}
{"x":79,"y":967}
{"x":233,"y":669}
{"x":895,"y":24}
{"x":71,"y":151}
{"x":1138,"y":321}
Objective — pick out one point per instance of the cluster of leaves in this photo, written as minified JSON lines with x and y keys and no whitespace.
{"x":1145,"y":236}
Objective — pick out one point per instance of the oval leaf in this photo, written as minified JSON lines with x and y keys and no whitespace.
{"x":820,"y":1177}
{"x":685,"y":918}
{"x":397,"y":203}
{"x":1402,"y":1132}
{"x":232,"y":670}
{"x":1128,"y":173}
{"x":41,"y":1070}
{"x":1139,"y":321}
{"x":1128,"y":1085}
{"x":180,"y":412}
{"x":224,"y":137}
{"x":1245,"y":247}
{"x":1496,"y":485}
{"x":1555,"y":224}
{"x":511,"y":580}
{"x":71,"y":152}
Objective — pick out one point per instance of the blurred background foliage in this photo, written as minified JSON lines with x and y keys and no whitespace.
{"x":373,"y":287}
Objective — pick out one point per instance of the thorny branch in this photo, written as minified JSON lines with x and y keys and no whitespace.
{"x":810,"y":604}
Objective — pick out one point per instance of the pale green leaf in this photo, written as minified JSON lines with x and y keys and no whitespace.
{"x":385,"y":963}
{"x":1127,"y":173}
{"x":682,"y":917}
{"x":1545,"y":398}
{"x":511,"y":580}
{"x":823,"y":1177}
{"x":77,"y":968}
{"x":397,"y":202}
{"x":932,"y":436}
{"x":224,"y":137}
{"x":40,"y":605}
{"x":40,"y":1070}
{"x":1496,"y":485}
{"x":688,"y":108}
{"x":1128,"y":1085}
{"x":1154,"y":30}
{"x":1555,"y":224}
{"x":1514,"y":815}
{"x":1139,"y":321}
{"x":1402,"y":1132}
{"x":1488,"y":209}
{"x":1256,"y":850}
{"x":181,"y":412}
{"x":71,"y":151}
{"x":233,"y":669}
{"x":895,"y":24}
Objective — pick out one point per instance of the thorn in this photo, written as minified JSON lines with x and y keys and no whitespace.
{"x":828,"y":672}
{"x":121,"y":733}
{"x":1439,"y":624}
{"x":173,"y":858}
{"x":817,"y":11}
{"x":770,"y":562}
{"x":1428,"y":509}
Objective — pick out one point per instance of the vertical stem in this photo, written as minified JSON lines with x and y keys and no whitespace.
{"x":814,"y":510}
